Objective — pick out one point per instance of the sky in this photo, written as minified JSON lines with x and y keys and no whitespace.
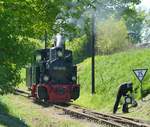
{"x":145,"y":4}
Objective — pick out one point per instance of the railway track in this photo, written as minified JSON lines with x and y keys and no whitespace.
{"x":22,"y":93}
{"x":100,"y":118}
{"x":111,"y":120}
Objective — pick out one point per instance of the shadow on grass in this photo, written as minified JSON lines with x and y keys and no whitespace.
{"x":50,"y":104}
{"x":8,"y":120}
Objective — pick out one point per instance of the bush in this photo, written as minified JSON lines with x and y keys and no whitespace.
{"x":111,"y":36}
{"x":9,"y":77}
{"x":14,"y":56}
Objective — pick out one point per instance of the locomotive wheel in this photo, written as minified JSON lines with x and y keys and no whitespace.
{"x":42,"y":93}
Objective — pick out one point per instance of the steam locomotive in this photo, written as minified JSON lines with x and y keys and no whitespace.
{"x":53,"y":76}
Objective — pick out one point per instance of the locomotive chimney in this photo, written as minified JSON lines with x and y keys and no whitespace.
{"x":60,"y":41}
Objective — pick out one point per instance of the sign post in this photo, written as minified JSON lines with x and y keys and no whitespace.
{"x":140,"y":74}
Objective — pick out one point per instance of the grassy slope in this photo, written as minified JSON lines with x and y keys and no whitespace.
{"x":111,"y":71}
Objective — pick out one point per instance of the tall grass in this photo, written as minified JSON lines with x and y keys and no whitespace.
{"x":111,"y":71}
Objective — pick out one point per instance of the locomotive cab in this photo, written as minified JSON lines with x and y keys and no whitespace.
{"x":56,"y":65}
{"x":53,"y":75}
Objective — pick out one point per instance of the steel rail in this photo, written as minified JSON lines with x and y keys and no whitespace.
{"x":131,"y":122}
{"x":100,"y":118}
{"x":82,"y":115}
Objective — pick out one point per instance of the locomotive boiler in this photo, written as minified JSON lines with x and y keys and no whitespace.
{"x":53,"y":76}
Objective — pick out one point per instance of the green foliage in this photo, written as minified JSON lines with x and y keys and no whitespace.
{"x":13,"y":57}
{"x":146,"y":30}
{"x":73,"y":20}
{"x":134,"y":22}
{"x":20,"y":22}
{"x":79,"y":48}
{"x":110,"y":72}
{"x":111,"y":36}
{"x":15,"y":48}
{"x":8,"y":78}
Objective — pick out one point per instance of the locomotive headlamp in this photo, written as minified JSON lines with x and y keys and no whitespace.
{"x":45,"y":78}
{"x":73,"y":78}
{"x":38,"y":57}
{"x":59,"y":53}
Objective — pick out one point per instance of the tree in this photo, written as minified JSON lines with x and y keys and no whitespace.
{"x":146,"y":25}
{"x":111,"y":36}
{"x":22,"y":21}
{"x":134,"y":22}
{"x":76,"y":10}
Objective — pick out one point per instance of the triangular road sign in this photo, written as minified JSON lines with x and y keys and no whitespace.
{"x":140,"y":73}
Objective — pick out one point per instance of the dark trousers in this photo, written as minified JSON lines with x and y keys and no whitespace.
{"x":125,"y":108}
{"x":117,"y":102}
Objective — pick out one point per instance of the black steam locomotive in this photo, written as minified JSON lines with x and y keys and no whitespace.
{"x":53,"y":76}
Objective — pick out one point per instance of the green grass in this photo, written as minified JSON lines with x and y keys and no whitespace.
{"x":17,"y":111}
{"x":110,"y":72}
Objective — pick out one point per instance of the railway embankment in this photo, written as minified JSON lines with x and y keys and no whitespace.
{"x":110,"y":72}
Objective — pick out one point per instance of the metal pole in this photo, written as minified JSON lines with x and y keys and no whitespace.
{"x":93,"y":53}
{"x":45,"y":39}
{"x":141,"y":91}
